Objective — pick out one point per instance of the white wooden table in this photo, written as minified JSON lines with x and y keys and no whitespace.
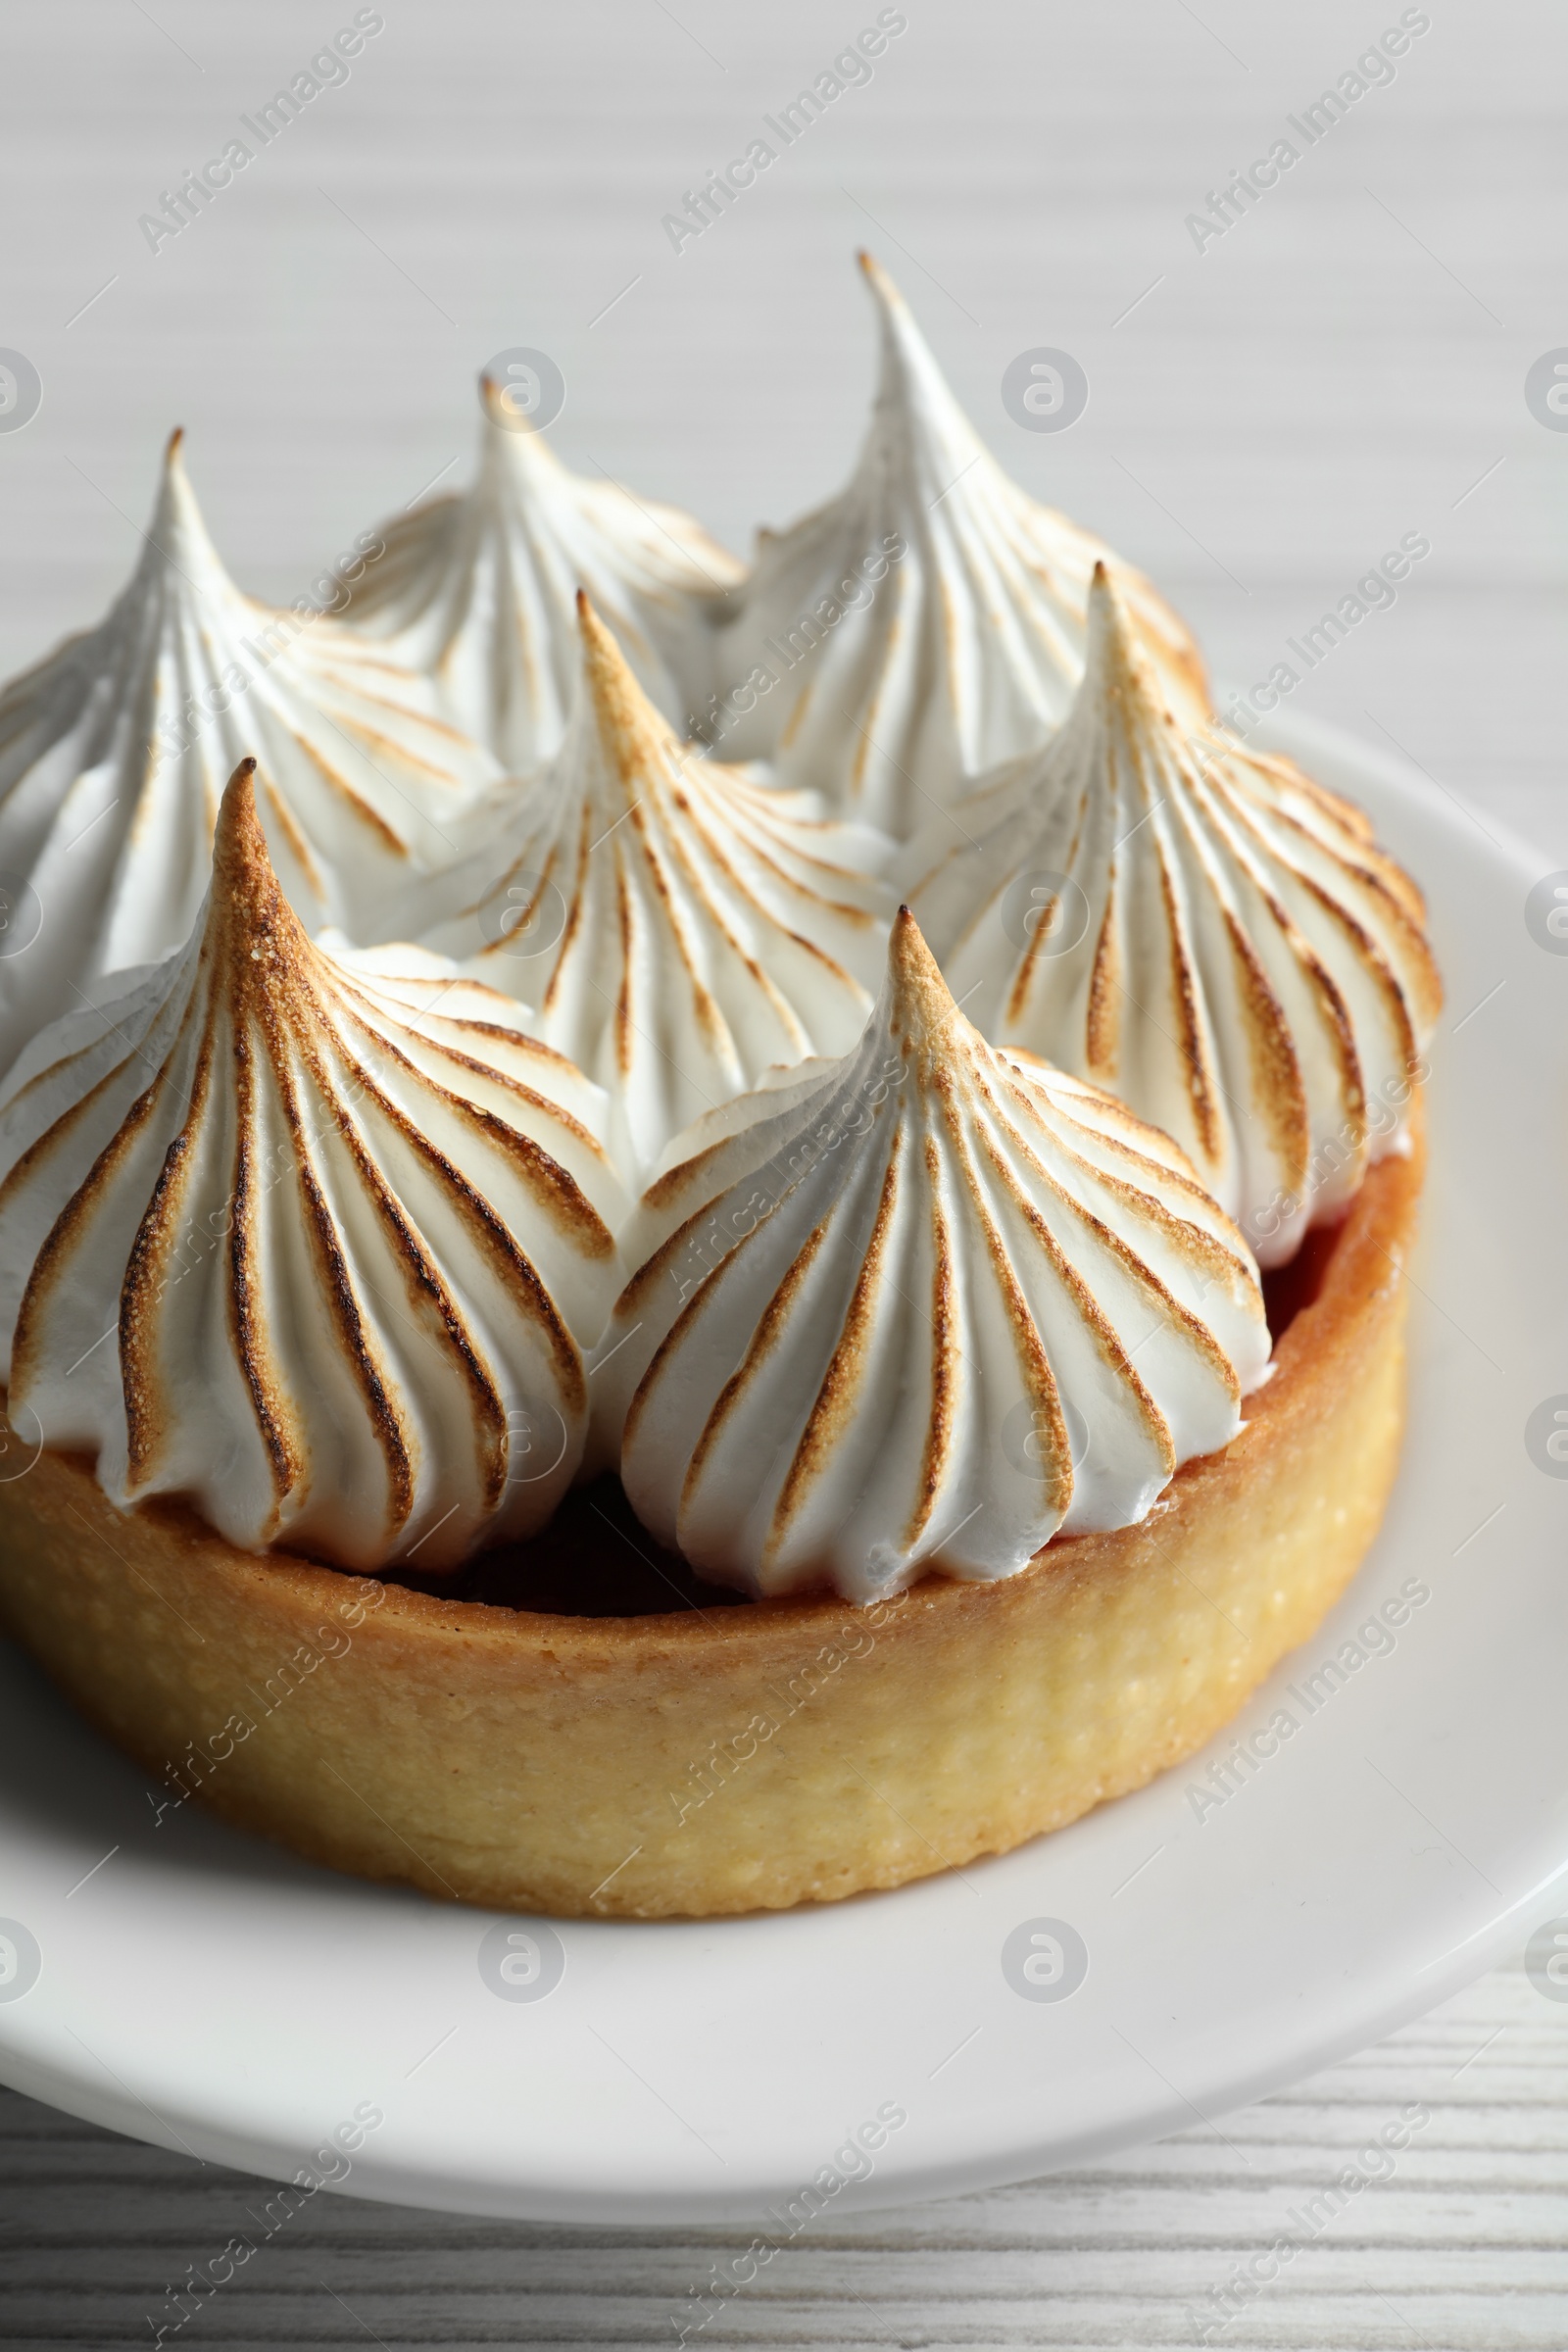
{"x":1465,"y":2245}
{"x":1344,"y":365}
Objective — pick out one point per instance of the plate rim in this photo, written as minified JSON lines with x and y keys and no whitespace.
{"x":77,"y":2088}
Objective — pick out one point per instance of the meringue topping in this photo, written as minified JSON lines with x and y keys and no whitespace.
{"x":479,"y":591}
{"x":677,"y":925}
{"x":926,"y":623}
{"x":1201,"y":928}
{"x":328,"y":1249}
{"x":114,"y":753}
{"x":920,"y":1308}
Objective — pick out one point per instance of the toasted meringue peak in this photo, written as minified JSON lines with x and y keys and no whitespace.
{"x":677,"y":926}
{"x":920,"y":1308}
{"x":1199,"y":927}
{"x":926,"y":623}
{"x":114,"y":753}
{"x":279,"y":1239}
{"x":478,"y":591}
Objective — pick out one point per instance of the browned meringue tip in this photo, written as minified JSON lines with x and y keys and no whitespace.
{"x":919,"y":1001}
{"x":520,"y":429}
{"x":1113,"y":652}
{"x":876,"y":278}
{"x":238,"y":832}
{"x":491,"y":397}
{"x":629,"y":727}
{"x":175,"y":509}
{"x":242,"y":868}
{"x":603,"y":658}
{"x":1106,"y":598}
{"x":904,"y":355}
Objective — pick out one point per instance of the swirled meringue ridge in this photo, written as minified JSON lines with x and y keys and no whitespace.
{"x":926,"y":623}
{"x":327,"y":1255}
{"x":114,"y":751}
{"x":921,"y":1307}
{"x":478,"y":591}
{"x":1198,"y":926}
{"x":677,"y":925}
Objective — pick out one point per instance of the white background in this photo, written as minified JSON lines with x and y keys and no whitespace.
{"x":1338,"y":369}
{"x":1345,"y":366}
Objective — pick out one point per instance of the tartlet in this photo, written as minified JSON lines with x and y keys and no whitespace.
{"x":619,"y":1766}
{"x":958,"y":1489}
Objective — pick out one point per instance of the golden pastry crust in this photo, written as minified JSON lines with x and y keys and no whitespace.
{"x":744,"y":1757}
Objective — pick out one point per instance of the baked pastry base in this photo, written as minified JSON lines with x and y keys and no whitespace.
{"x":724,"y":1758}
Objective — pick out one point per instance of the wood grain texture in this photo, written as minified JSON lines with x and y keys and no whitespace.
{"x":1464,"y":2245}
{"x":1346,"y":365}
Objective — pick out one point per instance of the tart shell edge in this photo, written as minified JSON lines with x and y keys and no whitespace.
{"x":747,"y":1759}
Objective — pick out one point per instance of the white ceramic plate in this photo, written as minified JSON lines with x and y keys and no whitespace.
{"x":205,"y":1992}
